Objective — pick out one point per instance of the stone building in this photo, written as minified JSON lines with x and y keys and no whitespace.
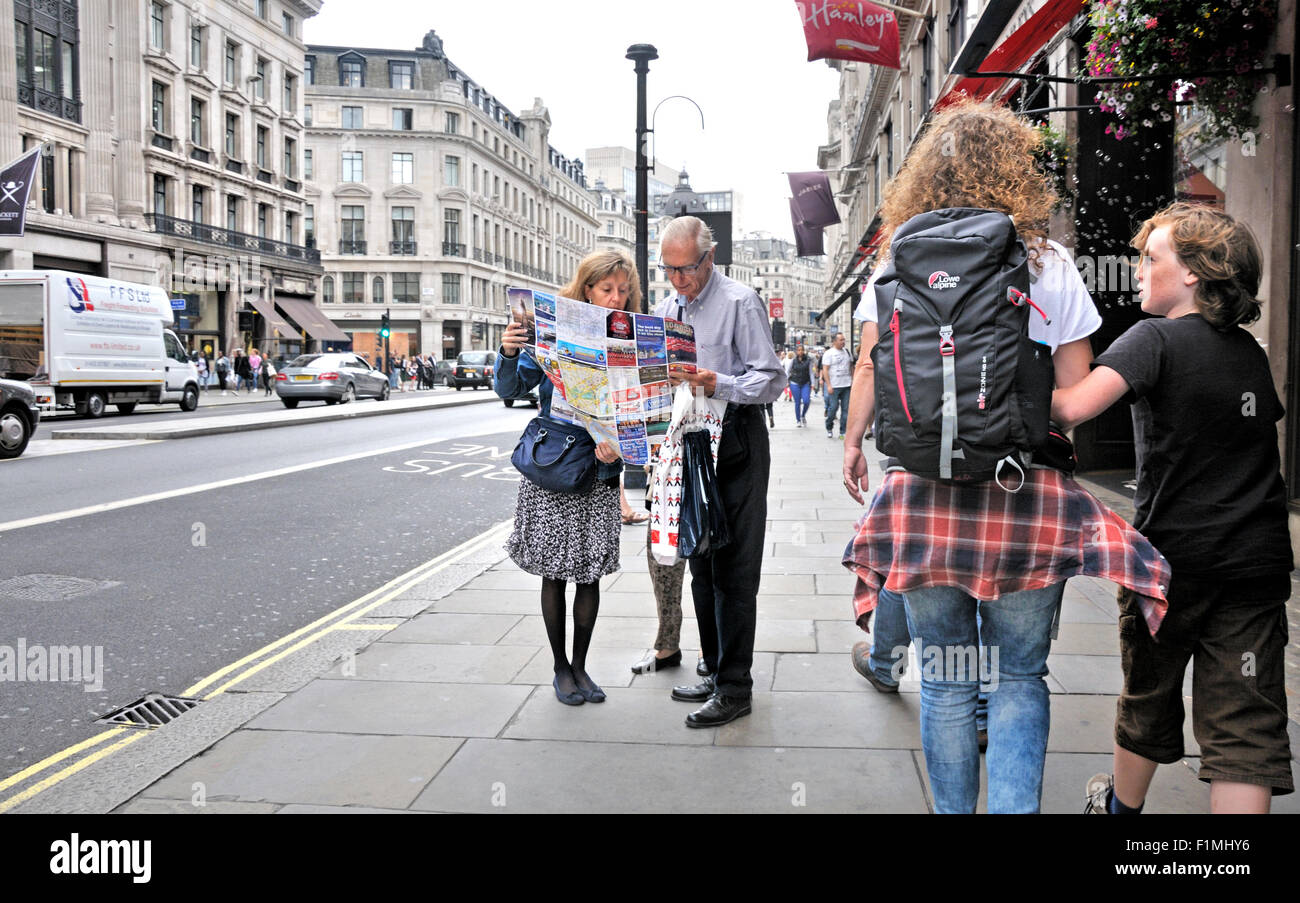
{"x":797,"y":282}
{"x":428,"y":197}
{"x":172,"y":133}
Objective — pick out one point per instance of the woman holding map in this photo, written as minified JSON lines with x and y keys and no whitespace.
{"x":564,"y":537}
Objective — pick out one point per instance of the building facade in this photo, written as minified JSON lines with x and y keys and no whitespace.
{"x":778,"y":275}
{"x":171,"y":133}
{"x":429,"y":198}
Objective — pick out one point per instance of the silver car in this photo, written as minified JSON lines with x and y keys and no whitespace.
{"x":332,"y":377}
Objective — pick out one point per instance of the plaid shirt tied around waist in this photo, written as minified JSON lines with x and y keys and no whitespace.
{"x":986,"y":541}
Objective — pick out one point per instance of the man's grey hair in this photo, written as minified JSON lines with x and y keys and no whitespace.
{"x":688,"y":228}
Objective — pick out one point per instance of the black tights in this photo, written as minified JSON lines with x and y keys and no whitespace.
{"x":586,"y":602}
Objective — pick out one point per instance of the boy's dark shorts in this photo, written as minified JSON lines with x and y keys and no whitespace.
{"x":1235,"y":633}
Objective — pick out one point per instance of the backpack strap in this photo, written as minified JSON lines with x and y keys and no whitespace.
{"x":948,"y":353}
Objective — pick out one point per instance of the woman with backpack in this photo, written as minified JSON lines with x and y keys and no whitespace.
{"x":980,"y":564}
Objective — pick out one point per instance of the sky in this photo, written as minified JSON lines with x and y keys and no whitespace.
{"x":743,"y":61}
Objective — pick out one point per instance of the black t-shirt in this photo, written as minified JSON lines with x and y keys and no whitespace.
{"x":1210,"y":494}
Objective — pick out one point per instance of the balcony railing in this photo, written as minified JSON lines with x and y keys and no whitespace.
{"x":48,"y":102}
{"x":351,"y":246}
{"x":478,"y":254}
{"x":229,"y":238}
{"x":452,"y":249}
{"x":264,"y":176}
{"x":402,"y":248}
{"x":161,"y":141}
{"x":292,"y":184}
{"x":234,"y":166}
{"x":197,"y":153}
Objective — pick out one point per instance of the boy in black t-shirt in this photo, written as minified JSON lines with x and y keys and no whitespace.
{"x":1210,"y":497}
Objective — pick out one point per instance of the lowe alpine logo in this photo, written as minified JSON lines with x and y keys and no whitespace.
{"x":941,"y":280}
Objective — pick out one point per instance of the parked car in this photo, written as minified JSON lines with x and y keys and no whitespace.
{"x":18,"y":417}
{"x":334,"y":377}
{"x":442,"y":372}
{"x":473,"y":368}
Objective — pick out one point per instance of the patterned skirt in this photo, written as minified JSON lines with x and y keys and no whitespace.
{"x":566,"y":537}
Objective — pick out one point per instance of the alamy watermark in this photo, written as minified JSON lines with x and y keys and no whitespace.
{"x":190,"y":273}
{"x":949,"y":663}
{"x":37,"y":663}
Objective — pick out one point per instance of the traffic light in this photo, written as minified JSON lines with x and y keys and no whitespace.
{"x":384,"y":330}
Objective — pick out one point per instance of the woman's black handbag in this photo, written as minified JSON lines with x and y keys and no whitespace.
{"x":557,"y":456}
{"x":702,"y":529}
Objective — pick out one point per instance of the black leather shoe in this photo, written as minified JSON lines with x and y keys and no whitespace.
{"x":697,"y":693}
{"x":702,"y":669}
{"x":652,"y":663}
{"x":719,"y":710}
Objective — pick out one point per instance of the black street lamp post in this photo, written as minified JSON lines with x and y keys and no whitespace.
{"x":642,"y":54}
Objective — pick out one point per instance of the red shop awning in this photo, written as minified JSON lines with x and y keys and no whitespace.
{"x":1016,"y":52}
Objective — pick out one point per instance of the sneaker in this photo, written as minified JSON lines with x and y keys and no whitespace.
{"x":830,"y":435}
{"x":1097,"y":794}
{"x":860,"y":656}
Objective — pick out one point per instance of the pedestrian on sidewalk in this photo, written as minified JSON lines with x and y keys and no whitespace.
{"x":666,"y":581}
{"x":737,"y":364}
{"x":564,"y":537}
{"x":201,"y":365}
{"x":223,"y":370}
{"x":995,"y":591}
{"x":267,"y":373}
{"x":1211,"y":497}
{"x":243,"y":373}
{"x":837,"y":376}
{"x":800,"y":385}
{"x":255,"y":368}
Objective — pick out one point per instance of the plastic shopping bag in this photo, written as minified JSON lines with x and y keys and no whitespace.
{"x":690,"y":412}
{"x":703,"y":523}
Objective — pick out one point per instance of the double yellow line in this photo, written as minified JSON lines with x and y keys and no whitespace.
{"x":340,"y":619}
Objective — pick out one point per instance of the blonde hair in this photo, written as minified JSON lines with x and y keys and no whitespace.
{"x":599,"y":265}
{"x":1221,"y":252}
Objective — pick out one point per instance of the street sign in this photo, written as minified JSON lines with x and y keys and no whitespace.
{"x":179,"y":303}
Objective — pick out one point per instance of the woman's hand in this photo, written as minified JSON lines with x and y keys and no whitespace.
{"x":606,"y":453}
{"x":514,"y":338}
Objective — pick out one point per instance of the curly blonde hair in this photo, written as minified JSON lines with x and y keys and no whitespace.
{"x":973,"y":154}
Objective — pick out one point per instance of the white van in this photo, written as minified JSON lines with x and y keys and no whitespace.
{"x":87,"y":342}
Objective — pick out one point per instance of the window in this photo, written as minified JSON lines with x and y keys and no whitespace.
{"x":956,"y":28}
{"x":157,"y":26}
{"x":261,"y":147}
{"x":451,"y":226}
{"x":377,"y":289}
{"x":23,"y":51}
{"x":263,"y":214}
{"x":290,"y":93}
{"x":887,"y":136}
{"x":290,"y":228}
{"x":352,"y":117}
{"x":401,"y":75}
{"x":406,"y":288}
{"x":327,"y":290}
{"x":159,"y":120}
{"x":353,"y":169}
{"x":46,"y":57}
{"x":263,"y":8}
{"x":309,"y":226}
{"x":232,"y":136}
{"x":306,"y":114}
{"x":231,"y":71}
{"x":159,"y":195}
{"x":403,"y":169}
{"x":351,"y":73}
{"x":450,"y":288}
{"x":309,"y":70}
{"x":452,"y":124}
{"x":200,"y":201}
{"x":402,"y":119}
{"x":287,"y":24}
{"x":306,"y":163}
{"x":403,"y":226}
{"x":259,"y":86}
{"x":197,"y":111}
{"x":451,"y":171}
{"x":354,"y":288}
{"x":290,"y":156}
{"x":196,"y":46}
{"x":927,"y":64}
{"x":232,"y":213}
{"x":353,"y":226}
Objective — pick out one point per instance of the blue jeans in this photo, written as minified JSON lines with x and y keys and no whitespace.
{"x":838,"y":398}
{"x":802,"y":393}
{"x":1016,"y":634}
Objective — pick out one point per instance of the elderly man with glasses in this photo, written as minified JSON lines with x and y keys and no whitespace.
{"x":738,"y":365}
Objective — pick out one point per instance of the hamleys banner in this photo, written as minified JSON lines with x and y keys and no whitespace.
{"x":850,"y":30}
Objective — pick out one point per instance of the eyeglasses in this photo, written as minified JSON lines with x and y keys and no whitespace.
{"x":688,"y":270}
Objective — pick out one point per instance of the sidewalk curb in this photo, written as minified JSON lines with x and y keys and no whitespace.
{"x":238,"y":423}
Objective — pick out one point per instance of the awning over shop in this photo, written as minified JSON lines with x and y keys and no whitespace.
{"x":1013,"y":55}
{"x":279,"y":325}
{"x":311,"y":320}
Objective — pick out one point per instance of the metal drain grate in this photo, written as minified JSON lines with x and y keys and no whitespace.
{"x":154,"y":710}
{"x":50,"y":587}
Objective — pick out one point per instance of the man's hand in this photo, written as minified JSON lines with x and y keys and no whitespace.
{"x":856,"y":480}
{"x":606,"y":453}
{"x":514,"y":338}
{"x":700,"y":379}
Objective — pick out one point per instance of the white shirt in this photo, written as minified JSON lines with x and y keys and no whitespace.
{"x":1054,"y":285}
{"x":840,"y":365}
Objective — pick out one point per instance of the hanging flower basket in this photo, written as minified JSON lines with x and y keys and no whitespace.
{"x":1180,"y":39}
{"x":1053,"y":157}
